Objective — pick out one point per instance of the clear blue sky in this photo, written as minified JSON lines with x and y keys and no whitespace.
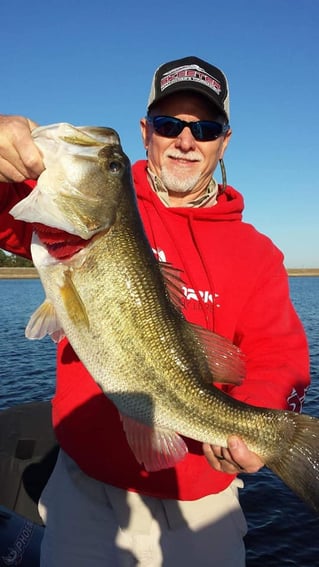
{"x":91,"y":62}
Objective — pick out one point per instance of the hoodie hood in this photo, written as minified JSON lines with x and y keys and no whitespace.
{"x":229,"y":206}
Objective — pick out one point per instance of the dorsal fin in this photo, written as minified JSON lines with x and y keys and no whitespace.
{"x":174,"y":284}
{"x":225,"y":360}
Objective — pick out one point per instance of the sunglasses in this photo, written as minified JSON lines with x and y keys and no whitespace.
{"x":202,"y":130}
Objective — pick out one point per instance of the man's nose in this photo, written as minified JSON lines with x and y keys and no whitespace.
{"x":185,"y":140}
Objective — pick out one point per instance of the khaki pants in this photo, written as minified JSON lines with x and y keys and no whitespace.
{"x":91,"y":524}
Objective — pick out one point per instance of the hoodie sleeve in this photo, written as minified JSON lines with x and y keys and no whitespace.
{"x":15,"y":236}
{"x":272,"y":337}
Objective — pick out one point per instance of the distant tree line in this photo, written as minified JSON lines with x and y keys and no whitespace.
{"x":13,"y":261}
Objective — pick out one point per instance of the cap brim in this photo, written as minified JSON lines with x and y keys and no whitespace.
{"x":194,"y":88}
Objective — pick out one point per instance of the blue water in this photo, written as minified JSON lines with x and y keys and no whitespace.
{"x":282,"y":531}
{"x":27,"y":368}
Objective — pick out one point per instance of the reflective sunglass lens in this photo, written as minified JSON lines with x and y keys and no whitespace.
{"x":167,"y":126}
{"x":202,"y":130}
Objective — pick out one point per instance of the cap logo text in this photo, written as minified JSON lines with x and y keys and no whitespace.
{"x":190,"y":73}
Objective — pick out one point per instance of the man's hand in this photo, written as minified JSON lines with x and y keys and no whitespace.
{"x":19,"y":157}
{"x":236,"y":458}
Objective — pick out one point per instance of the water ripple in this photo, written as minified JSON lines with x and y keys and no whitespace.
{"x":282,"y":530}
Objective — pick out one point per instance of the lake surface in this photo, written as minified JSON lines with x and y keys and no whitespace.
{"x":282,"y":531}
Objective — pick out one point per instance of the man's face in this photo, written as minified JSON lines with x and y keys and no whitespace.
{"x":184,"y":164}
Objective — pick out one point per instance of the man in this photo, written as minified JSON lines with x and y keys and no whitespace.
{"x":100,"y":507}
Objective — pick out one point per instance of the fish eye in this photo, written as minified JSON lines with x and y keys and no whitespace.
{"x":115,"y":166}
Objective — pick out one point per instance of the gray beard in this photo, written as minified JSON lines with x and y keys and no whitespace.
{"x":178,"y":184}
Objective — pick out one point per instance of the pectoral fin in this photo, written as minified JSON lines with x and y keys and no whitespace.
{"x":156,"y":448}
{"x":72,"y":302}
{"x":44,"y":321}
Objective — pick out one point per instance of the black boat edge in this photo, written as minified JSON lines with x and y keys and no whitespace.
{"x":28,"y":452}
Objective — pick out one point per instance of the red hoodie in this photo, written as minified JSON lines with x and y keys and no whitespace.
{"x":235,"y":285}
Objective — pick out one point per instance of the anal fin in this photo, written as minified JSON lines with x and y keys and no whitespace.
{"x":154,"y":447}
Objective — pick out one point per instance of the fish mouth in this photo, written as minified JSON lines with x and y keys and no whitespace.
{"x":77,"y":136}
{"x":83,"y":142}
{"x":76,"y":208}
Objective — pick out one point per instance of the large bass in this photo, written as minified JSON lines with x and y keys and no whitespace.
{"x":119,"y":309}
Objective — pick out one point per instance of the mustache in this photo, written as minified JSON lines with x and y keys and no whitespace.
{"x":191,"y":156}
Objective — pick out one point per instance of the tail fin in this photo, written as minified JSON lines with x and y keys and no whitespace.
{"x":299,"y":466}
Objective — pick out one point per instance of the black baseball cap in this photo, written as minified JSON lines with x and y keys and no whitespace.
{"x":190,"y":74}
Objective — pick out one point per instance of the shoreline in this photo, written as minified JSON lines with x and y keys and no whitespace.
{"x":303,"y":271}
{"x":31,"y":273}
{"x":18,"y":274}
